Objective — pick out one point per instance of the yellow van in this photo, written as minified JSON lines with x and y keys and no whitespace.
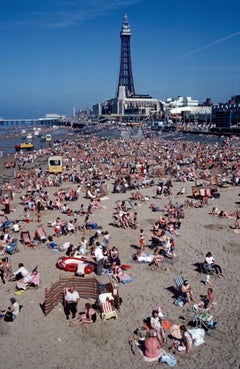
{"x":48,"y":138}
{"x":55,"y":164}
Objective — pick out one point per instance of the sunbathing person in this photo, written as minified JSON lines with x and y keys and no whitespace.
{"x":209,"y":264}
{"x":152,"y":346}
{"x":186,"y":342}
{"x":137,"y":196}
{"x":12,"y":311}
{"x":207,"y":301}
{"x":154,"y":260}
{"x":186,"y":291}
{"x":156,"y":324}
{"x":117,"y":272}
{"x":52,"y":245}
{"x":89,"y":317}
{"x":31,"y":279}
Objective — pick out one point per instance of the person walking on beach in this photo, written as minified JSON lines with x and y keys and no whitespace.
{"x":6,"y":203}
{"x":142,"y":240}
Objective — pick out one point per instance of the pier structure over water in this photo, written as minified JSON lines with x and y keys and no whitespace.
{"x":49,"y":119}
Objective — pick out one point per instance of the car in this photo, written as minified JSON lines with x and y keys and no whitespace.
{"x":80,"y":265}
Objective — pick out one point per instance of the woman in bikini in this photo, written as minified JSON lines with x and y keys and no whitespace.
{"x":89,"y":317}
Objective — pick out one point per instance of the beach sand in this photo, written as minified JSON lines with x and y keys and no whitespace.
{"x":36,"y":341}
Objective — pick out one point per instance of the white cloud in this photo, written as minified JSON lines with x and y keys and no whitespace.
{"x":65,"y":13}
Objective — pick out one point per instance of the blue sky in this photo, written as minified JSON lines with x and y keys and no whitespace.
{"x":60,"y":54}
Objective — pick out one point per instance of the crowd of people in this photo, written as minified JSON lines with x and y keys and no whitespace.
{"x":128,"y":166}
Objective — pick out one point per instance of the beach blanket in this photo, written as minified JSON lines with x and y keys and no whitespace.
{"x":198,"y":335}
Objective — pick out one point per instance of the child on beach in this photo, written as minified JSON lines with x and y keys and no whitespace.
{"x":142,"y":240}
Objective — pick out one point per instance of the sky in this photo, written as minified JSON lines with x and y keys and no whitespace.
{"x":57,"y":55}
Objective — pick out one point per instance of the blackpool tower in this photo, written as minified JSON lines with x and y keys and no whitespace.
{"x":125,"y":74}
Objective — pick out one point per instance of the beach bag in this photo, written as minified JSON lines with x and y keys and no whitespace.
{"x":168,"y":359}
{"x":197,"y":335}
{"x":180,"y":301}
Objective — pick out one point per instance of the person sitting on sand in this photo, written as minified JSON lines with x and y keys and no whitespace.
{"x":186,"y":342}
{"x":209,"y":264}
{"x":186,"y":291}
{"x":156,"y":324}
{"x":12,"y":311}
{"x":20,"y":272}
{"x":89,"y":317}
{"x":207,"y":301}
{"x":152,"y":346}
{"x":117,"y":272}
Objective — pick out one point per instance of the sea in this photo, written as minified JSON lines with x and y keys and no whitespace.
{"x":14,"y":135}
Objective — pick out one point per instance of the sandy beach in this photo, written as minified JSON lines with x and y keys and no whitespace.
{"x":47,"y":342}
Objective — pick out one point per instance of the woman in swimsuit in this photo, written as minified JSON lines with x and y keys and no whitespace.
{"x":89,"y":317}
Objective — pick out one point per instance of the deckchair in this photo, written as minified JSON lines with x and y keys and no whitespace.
{"x":30,"y":280}
{"x":106,"y":308}
{"x":181,"y":300}
{"x":179,"y":282}
{"x":26,"y":238}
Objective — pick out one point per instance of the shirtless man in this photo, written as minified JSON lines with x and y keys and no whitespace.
{"x":186,"y":290}
{"x":152,"y":347}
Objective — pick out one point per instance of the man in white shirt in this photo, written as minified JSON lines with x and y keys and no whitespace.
{"x":71,"y":301}
{"x":21,"y":272}
{"x":99,"y":258}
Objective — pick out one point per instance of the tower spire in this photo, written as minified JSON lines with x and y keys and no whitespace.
{"x":125,"y":74}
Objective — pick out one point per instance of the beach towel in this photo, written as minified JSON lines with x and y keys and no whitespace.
{"x":168,"y":359}
{"x":125,"y":278}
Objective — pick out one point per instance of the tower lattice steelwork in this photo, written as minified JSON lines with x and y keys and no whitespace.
{"x":125,"y":75}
